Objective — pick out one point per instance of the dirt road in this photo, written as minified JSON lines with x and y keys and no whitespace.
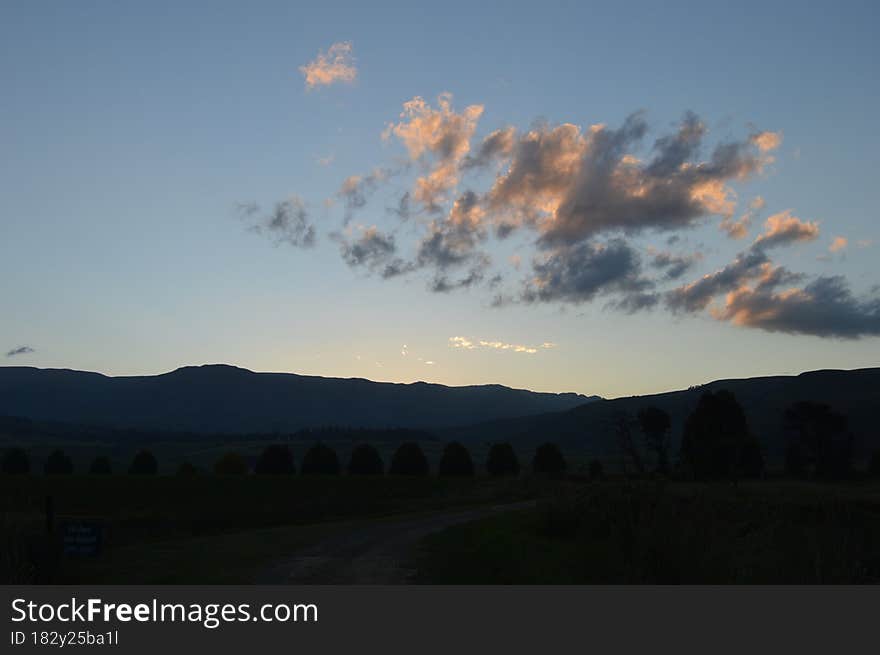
{"x":377,"y":553}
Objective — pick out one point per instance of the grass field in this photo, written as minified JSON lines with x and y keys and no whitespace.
{"x":213,"y":528}
{"x":670,"y":533}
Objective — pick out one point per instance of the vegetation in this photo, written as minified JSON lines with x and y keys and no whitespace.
{"x":409,"y":460}
{"x":15,"y":462}
{"x":365,"y":460}
{"x":320,"y":460}
{"x":668,"y":533}
{"x":656,"y":425}
{"x":58,"y":463}
{"x":502,"y":460}
{"x":548,"y":460}
{"x":275,"y":459}
{"x":819,"y":440}
{"x":456,"y":461}
{"x":144,"y":463}
{"x":231,"y":464}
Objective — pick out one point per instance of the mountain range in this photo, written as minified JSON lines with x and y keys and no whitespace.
{"x":226,"y":399}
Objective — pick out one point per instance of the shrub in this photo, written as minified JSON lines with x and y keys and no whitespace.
{"x":144,"y":463}
{"x":502,"y":460}
{"x":58,"y":463}
{"x":275,"y":460}
{"x":15,"y":462}
{"x":548,"y":460}
{"x":408,"y":459}
{"x":365,"y":460}
{"x":874,"y":465}
{"x":320,"y":460}
{"x":456,"y":461}
{"x":100,"y":466}
{"x":231,"y":464}
{"x":597,"y":471}
{"x":186,"y":469}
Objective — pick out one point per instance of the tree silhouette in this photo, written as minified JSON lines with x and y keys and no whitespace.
{"x":144,"y":463}
{"x":715,"y":443}
{"x":656,"y":424}
{"x":795,"y":461}
{"x":824,"y":436}
{"x":408,"y":459}
{"x":100,"y":466}
{"x":320,"y":460}
{"x":874,"y":465}
{"x":58,"y":463}
{"x":623,"y":422}
{"x":502,"y":460}
{"x":186,"y":469}
{"x":231,"y":464}
{"x":365,"y":460}
{"x":275,"y":460}
{"x":456,"y":461}
{"x":15,"y":462}
{"x":548,"y":460}
{"x":597,"y":471}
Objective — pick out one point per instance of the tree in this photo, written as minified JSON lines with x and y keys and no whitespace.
{"x":231,"y":464}
{"x":502,"y":460}
{"x":715,"y":443}
{"x":275,"y":460}
{"x":100,"y":466}
{"x":144,"y":463}
{"x":15,"y":462}
{"x":186,"y":469}
{"x":320,"y":460}
{"x":874,"y":465}
{"x":795,"y":461}
{"x":548,"y":460}
{"x":58,"y":463}
{"x":365,"y":460}
{"x":408,"y":459}
{"x":656,"y":424}
{"x":456,"y":461}
{"x":597,"y":471}
{"x":824,"y":436}
{"x":623,"y":431}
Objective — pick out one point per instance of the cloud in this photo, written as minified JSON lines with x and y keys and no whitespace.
{"x":864,"y":243}
{"x":20,"y":350}
{"x":838,"y":244}
{"x":336,"y":65}
{"x":572,"y":185}
{"x":439,"y":139}
{"x":356,"y":189}
{"x":497,"y":146}
{"x":825,"y":307}
{"x":674,"y":265}
{"x":372,"y":250}
{"x":463,"y":343}
{"x":580,"y":273}
{"x":784,"y":228}
{"x":288,"y":222}
{"x":739,"y":229}
{"x":766,"y":141}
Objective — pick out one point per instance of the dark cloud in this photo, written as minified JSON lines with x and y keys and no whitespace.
{"x":373,"y":251}
{"x":697,"y":295}
{"x":579,"y":273}
{"x":825,"y":307}
{"x":356,"y":190}
{"x":287,"y":223}
{"x":497,"y":145}
{"x":674,"y":265}
{"x":20,"y":350}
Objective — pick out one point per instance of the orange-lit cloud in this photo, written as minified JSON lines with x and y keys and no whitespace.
{"x":784,"y":228}
{"x":838,"y":244}
{"x":336,"y":65}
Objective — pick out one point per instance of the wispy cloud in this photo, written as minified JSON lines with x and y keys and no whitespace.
{"x":336,"y":65}
{"x":838,"y":244}
{"x":20,"y":350}
{"x":463,"y":343}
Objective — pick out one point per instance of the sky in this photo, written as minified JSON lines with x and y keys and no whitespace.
{"x":608,"y":198}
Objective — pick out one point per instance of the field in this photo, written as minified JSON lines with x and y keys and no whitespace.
{"x":209,"y":528}
{"x":670,"y":533}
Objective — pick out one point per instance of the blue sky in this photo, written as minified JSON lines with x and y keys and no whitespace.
{"x":131,"y":134}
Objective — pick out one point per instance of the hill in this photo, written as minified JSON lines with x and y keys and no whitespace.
{"x":225,"y":399}
{"x":590,"y":428}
